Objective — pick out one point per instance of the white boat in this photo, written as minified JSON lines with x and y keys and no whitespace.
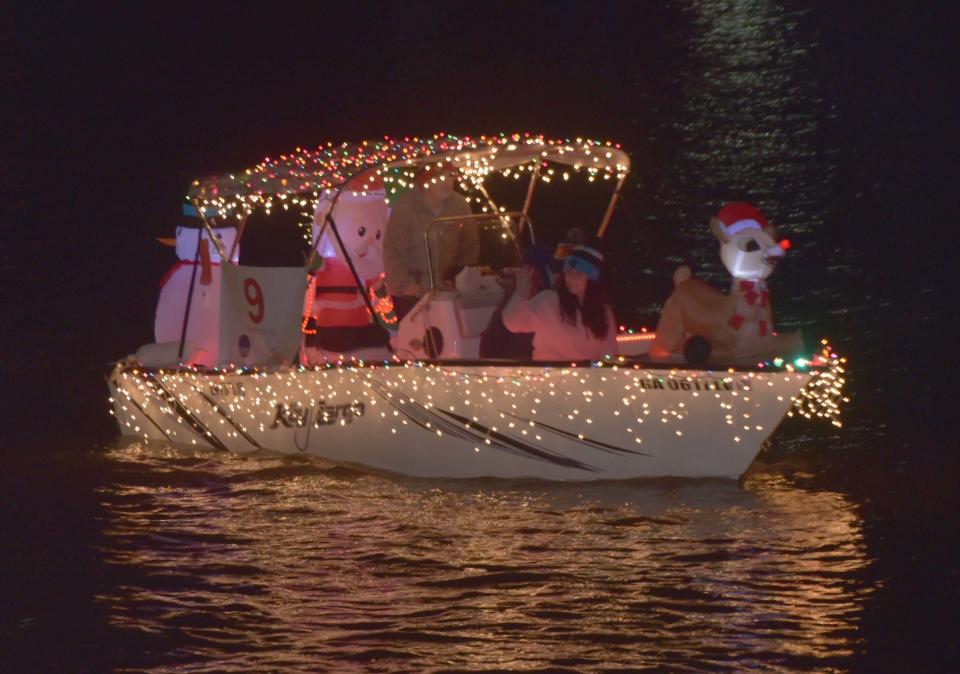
{"x":430,"y":406}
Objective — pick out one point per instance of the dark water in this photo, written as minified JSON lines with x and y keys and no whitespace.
{"x":212,"y":562}
{"x":835,"y":554}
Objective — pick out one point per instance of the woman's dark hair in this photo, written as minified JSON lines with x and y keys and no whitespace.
{"x":593,"y":313}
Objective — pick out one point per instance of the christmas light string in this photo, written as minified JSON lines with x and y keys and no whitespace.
{"x":613,"y":391}
{"x":298,"y":179}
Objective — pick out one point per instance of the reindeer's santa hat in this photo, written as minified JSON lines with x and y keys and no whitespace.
{"x":738,"y":216}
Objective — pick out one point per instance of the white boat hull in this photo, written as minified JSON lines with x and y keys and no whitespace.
{"x":464,"y":421}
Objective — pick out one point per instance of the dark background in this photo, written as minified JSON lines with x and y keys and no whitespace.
{"x":110,"y":110}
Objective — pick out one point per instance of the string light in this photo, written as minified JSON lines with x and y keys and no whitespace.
{"x":300,"y":176}
{"x":615,"y":393}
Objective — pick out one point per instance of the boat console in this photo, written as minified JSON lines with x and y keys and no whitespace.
{"x":472,"y":261}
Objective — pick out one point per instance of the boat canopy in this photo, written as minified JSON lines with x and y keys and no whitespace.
{"x":300,"y":177}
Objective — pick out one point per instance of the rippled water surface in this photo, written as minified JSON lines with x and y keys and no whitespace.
{"x":237,"y":564}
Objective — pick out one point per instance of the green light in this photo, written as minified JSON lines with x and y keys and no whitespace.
{"x":801,"y":362}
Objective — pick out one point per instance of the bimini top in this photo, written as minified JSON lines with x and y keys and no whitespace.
{"x":300,"y":177}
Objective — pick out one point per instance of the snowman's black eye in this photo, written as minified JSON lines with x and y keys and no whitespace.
{"x":378,"y":235}
{"x":362,"y":231}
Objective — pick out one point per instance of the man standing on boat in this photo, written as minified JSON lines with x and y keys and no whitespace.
{"x":404,"y":251}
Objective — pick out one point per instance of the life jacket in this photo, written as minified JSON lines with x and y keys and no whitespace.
{"x":337,"y":302}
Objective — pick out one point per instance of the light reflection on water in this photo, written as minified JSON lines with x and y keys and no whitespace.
{"x":263,"y":563}
{"x":745,"y":118}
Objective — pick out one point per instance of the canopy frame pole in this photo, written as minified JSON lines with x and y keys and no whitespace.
{"x":493,"y":205}
{"x":213,"y":237}
{"x":240,"y":230}
{"x":315,"y":248}
{"x":361,"y":286}
{"x":486,"y":195}
{"x":613,"y":204}
{"x":189,"y":303}
{"x":535,"y":175}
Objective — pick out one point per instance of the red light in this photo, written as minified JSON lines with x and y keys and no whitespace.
{"x":785,"y":244}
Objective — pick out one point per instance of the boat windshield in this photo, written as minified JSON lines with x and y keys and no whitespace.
{"x":463,"y":249}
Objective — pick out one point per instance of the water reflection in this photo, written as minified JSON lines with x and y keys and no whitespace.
{"x":753,"y":110}
{"x":745,"y":117}
{"x":267,"y":563}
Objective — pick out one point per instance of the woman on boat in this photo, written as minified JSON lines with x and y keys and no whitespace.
{"x":573,"y":322}
{"x":499,"y":342}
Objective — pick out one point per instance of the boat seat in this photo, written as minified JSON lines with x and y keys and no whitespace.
{"x":474,"y":310}
{"x":344,"y":339}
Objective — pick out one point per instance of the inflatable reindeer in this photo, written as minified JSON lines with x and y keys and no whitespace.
{"x":703,"y":323}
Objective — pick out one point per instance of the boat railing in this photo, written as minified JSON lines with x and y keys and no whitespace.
{"x":486,"y":240}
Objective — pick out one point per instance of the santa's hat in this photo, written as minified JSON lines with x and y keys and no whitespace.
{"x":368,"y":181}
{"x":739,"y":216}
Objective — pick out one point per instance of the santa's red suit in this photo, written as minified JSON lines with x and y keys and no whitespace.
{"x":337,"y":302}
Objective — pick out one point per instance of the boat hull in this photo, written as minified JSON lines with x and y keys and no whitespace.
{"x":465,"y":421}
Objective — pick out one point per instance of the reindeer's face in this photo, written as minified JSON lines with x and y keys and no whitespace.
{"x":749,"y":253}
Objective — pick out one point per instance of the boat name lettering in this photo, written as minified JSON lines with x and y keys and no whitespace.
{"x":675,"y":384}
{"x":227,"y":390}
{"x":322,"y":414}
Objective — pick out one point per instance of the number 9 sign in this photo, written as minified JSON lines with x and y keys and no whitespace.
{"x":254,"y":296}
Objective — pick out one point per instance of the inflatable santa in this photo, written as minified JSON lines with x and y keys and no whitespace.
{"x":338,"y":315}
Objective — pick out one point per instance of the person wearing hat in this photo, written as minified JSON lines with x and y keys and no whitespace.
{"x":573,"y":238}
{"x":572,"y":322}
{"x":404,"y":255}
{"x":498,"y":342}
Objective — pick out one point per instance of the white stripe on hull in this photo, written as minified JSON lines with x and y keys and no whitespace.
{"x":581,"y":423}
